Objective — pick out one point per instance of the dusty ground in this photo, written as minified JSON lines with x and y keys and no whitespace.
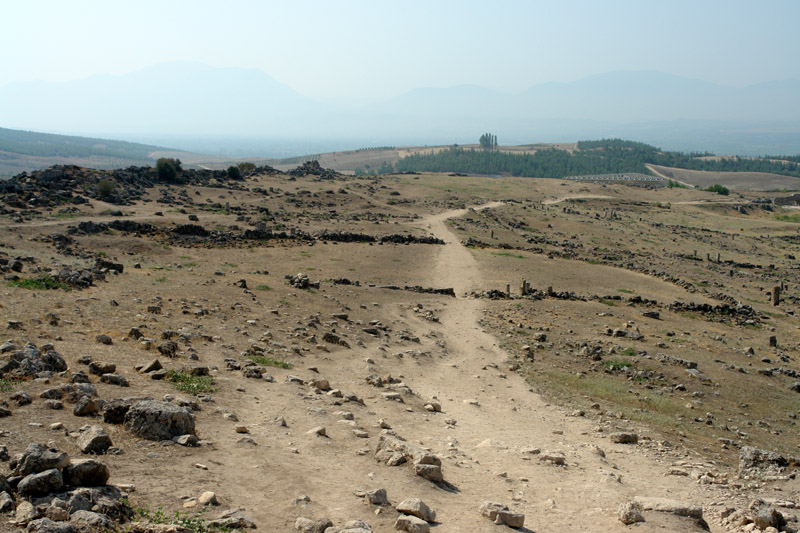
{"x":503,"y":393}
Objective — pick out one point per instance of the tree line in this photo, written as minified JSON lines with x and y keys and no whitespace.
{"x":606,"y":156}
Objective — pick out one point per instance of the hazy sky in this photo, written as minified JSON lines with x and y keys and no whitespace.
{"x":360,"y":49}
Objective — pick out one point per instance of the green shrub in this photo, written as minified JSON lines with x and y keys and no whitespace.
{"x":169,"y":170}
{"x":105,"y":188}
{"x":719,"y":189}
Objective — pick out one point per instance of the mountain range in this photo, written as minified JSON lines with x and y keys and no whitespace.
{"x":190,"y":99}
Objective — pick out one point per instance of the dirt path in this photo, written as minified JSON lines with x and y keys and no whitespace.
{"x":498,"y":417}
{"x":576,"y":197}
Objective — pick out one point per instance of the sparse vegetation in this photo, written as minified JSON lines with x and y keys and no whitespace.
{"x":41,"y":283}
{"x":186,"y":382}
{"x":269,"y":361}
{"x":719,"y":189}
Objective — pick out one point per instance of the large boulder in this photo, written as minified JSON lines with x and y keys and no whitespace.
{"x":154,"y":420}
{"x":41,"y":484}
{"x":38,"y":458}
{"x":86,"y":473}
{"x":114,"y":411}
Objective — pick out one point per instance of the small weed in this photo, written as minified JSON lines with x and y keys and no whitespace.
{"x":7,"y":384}
{"x":101,"y":253}
{"x":195,"y":523}
{"x":269,"y":361}
{"x":609,"y":303}
{"x":40,"y":283}
{"x":263,"y":288}
{"x":190,"y":264}
{"x":616,"y":364}
{"x":594,"y":262}
{"x":161,"y":279}
{"x":508,"y":254}
{"x":626,"y":291}
{"x":283,"y":301}
{"x":630,"y":352}
{"x":183,"y":381}
{"x":231,"y":265}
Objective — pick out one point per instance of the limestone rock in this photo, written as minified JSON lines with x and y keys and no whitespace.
{"x":629,"y":513}
{"x":208,"y":498}
{"x":306,"y":525}
{"x":501,"y":514}
{"x":666,"y":505}
{"x":94,"y":440}
{"x":412,"y":524}
{"x":418,"y":508}
{"x":154,"y":420}
{"x":25,"y":512}
{"x":376,"y":497}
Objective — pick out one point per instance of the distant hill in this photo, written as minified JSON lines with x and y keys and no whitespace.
{"x":28,"y":150}
{"x":193,"y":100}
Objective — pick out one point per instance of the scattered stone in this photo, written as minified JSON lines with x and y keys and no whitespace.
{"x":305,"y":525}
{"x":624,"y":438}
{"x":502,"y":515}
{"x":412,"y":524}
{"x":556,"y":458}
{"x":418,"y":508}
{"x":114,"y":379}
{"x":207,"y":498}
{"x":319,"y":430}
{"x":103,"y":339}
{"x":98,"y":369}
{"x":768,"y":516}
{"x":376,"y":497}
{"x":94,"y":440}
{"x":629,"y":513}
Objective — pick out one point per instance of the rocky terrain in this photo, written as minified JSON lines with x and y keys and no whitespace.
{"x":308,"y":351}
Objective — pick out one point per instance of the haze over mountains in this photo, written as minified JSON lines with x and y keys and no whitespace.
{"x":198,"y":107}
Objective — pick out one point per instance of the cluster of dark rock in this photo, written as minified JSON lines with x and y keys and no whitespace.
{"x":344,"y":236}
{"x":69,"y":184}
{"x":197,"y":235}
{"x":59,"y":276}
{"x":48,"y":492}
{"x":313,"y":168}
{"x":741,"y":313}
